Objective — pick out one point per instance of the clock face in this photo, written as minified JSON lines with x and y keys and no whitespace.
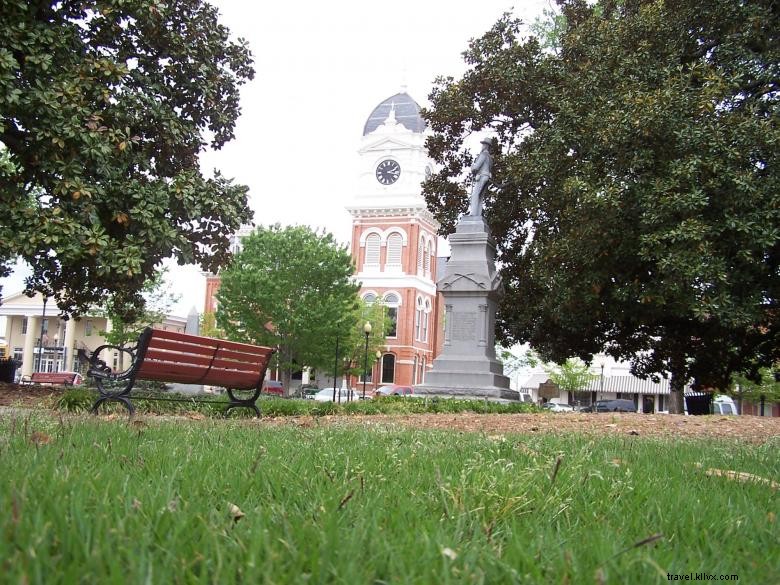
{"x":388,"y":171}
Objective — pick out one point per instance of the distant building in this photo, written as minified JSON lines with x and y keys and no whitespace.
{"x":43,"y":342}
{"x":617,"y":382}
{"x":213,"y":280}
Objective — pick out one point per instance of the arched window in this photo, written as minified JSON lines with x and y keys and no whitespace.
{"x":420,"y":253}
{"x":394,"y":245}
{"x":369,"y":298}
{"x":391,"y":307}
{"x":418,"y":318}
{"x":388,"y":368}
{"x":427,"y":259}
{"x":425,"y":319}
{"x":372,"y":251}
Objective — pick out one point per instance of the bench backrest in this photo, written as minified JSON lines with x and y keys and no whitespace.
{"x":68,"y":378}
{"x":167,"y":356}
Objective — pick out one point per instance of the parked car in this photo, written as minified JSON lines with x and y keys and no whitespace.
{"x":309,"y":391}
{"x":394,"y":390}
{"x":273,"y":387}
{"x":555,"y":407}
{"x":616,"y":405}
{"x":342,"y":395}
{"x":723,"y":405}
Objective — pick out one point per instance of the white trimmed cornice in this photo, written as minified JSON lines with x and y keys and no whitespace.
{"x":418,"y":211}
{"x":388,"y":281}
{"x":387,"y":144}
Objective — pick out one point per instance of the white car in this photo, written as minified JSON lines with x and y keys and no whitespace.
{"x":722,"y":404}
{"x":342,"y":395}
{"x":555,"y":407}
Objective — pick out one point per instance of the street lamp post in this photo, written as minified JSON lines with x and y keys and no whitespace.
{"x":347,"y":366}
{"x":40,"y":339}
{"x":378,"y":368}
{"x":367,"y":331}
{"x":336,"y":371}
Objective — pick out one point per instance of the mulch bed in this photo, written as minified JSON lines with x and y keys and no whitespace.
{"x":28,"y":395}
{"x":752,"y":429}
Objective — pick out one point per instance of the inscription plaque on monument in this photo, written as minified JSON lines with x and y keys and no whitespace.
{"x":464,"y":326}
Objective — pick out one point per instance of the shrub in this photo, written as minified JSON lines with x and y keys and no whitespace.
{"x":76,"y":400}
{"x":325,"y":408}
{"x":284,"y":407}
{"x":362,"y":407}
{"x":81,"y":400}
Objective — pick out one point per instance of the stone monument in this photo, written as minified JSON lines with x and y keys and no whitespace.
{"x":471,"y":287}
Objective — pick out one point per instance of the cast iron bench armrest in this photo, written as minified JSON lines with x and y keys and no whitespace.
{"x":101,"y":371}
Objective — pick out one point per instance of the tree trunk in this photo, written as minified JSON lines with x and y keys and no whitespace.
{"x":286,"y":379}
{"x":677,"y":388}
{"x":286,"y":372}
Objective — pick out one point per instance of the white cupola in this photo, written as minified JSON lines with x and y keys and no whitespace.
{"x":393,"y":159}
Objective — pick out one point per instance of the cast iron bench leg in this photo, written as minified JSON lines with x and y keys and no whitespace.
{"x":123,"y":399}
{"x":245,"y":402}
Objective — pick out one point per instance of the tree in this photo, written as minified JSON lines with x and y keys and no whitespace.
{"x":573,"y":375}
{"x":158,"y":302}
{"x":635,"y":200}
{"x":104,"y":108}
{"x":513,"y":363}
{"x":765,"y":389}
{"x":208,"y":326}
{"x":352,"y":348}
{"x":289,"y":288}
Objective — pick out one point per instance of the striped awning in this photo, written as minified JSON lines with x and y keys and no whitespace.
{"x":614,"y":384}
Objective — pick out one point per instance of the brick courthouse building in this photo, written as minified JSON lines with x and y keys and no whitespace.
{"x":394,"y":241}
{"x":394,"y":238}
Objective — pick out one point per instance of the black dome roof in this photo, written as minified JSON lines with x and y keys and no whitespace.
{"x":407,"y":113}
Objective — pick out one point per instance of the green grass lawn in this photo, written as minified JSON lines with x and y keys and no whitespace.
{"x":93,"y":501}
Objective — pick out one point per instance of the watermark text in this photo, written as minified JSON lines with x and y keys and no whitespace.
{"x":700,"y":577}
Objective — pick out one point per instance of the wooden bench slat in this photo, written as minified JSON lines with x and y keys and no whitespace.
{"x":196,"y":360}
{"x":233,"y":382}
{"x":189,"y":353}
{"x":193,"y":373}
{"x":209,"y":342}
{"x":164,"y":371}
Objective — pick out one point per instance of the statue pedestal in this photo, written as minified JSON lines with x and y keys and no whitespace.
{"x":471,"y":287}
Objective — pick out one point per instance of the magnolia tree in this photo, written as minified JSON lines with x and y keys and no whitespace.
{"x":636,"y":197}
{"x":104,"y":109}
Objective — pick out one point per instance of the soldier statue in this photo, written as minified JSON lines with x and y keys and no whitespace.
{"x":481,"y":171}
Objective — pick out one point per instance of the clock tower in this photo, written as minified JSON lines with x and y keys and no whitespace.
{"x":394,"y":238}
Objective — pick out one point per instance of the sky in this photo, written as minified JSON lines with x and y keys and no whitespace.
{"x":320,"y":69}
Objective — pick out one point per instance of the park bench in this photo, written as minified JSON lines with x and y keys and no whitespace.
{"x":167,"y":356}
{"x":63,"y":378}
